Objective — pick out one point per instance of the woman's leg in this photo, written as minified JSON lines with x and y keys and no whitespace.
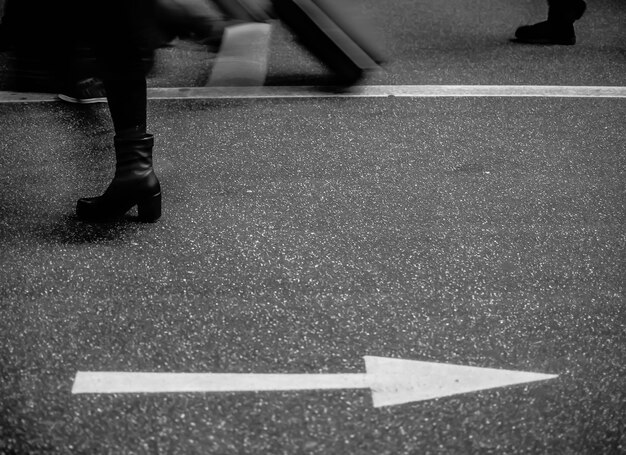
{"x":121,"y":45}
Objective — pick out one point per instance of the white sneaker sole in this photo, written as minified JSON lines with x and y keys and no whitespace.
{"x":70,"y":99}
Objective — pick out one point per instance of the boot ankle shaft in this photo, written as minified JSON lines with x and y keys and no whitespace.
{"x":128,"y":150}
{"x":133,"y":132}
{"x":143,"y":140}
{"x":133,"y":173}
{"x":133,"y":156}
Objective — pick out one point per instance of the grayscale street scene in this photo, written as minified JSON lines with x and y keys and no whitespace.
{"x":313,"y":227}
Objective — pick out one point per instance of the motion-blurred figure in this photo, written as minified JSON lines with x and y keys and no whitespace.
{"x":558,"y":28}
{"x":193,"y":20}
{"x":49,"y":38}
{"x":53,"y":51}
{"x":168,"y":19}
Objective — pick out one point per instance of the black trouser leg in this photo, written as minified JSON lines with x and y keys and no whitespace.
{"x":127,"y":104}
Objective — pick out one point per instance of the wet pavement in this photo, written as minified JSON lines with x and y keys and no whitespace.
{"x":300,"y":235}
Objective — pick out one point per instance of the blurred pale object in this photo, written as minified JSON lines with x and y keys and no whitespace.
{"x":337,"y":33}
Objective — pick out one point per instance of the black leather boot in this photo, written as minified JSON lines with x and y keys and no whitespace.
{"x":547,"y":32}
{"x":558,"y":29}
{"x":134,"y":184}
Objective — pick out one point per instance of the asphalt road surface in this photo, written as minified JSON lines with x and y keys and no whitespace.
{"x":301,"y":235}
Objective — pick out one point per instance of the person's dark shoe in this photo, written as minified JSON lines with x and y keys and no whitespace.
{"x":134,"y":184}
{"x":546,"y":33}
{"x":86,"y":91}
{"x":558,"y":29}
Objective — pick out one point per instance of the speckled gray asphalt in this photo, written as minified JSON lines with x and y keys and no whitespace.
{"x":300,"y":235}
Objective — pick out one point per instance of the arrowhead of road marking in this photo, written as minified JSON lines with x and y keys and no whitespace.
{"x":398,"y":381}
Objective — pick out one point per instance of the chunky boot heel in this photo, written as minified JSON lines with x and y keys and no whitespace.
{"x":134,"y":184}
{"x":150,"y":210}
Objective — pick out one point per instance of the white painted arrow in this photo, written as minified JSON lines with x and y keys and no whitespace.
{"x":392,"y":381}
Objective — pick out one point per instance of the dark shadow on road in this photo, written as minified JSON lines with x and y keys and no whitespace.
{"x":69,"y":229}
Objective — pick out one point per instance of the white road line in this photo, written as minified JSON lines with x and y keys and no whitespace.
{"x":362,"y":91}
{"x":374,"y":91}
